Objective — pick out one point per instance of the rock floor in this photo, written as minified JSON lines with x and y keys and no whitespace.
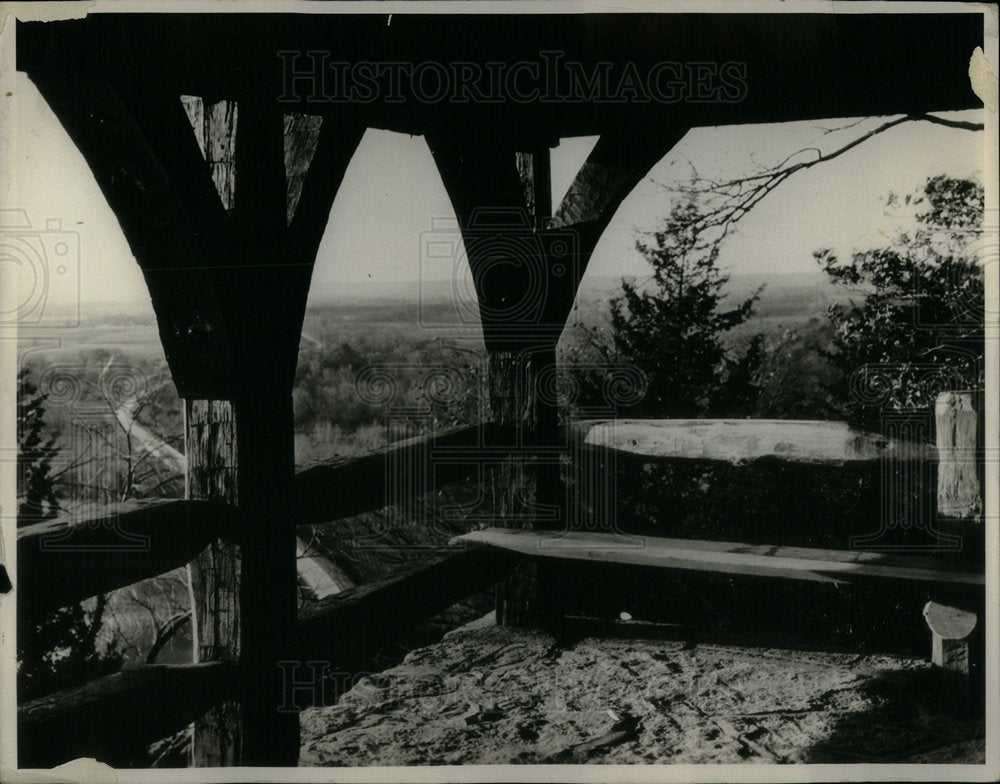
{"x":489,"y":695}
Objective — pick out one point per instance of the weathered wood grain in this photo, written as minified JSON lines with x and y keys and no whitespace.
{"x":66,"y":560}
{"x":214,"y":574}
{"x":726,"y":557}
{"x":957,"y":422}
{"x":111,"y":717}
{"x":347,"y":628}
{"x":739,"y":441}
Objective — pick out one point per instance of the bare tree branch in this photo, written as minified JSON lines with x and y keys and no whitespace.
{"x":734,"y":198}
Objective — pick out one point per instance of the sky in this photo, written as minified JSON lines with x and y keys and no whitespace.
{"x":392,"y":194}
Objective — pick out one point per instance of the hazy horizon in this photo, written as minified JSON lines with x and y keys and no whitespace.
{"x":383,"y":212}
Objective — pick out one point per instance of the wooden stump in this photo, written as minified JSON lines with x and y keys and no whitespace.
{"x":955,"y":654}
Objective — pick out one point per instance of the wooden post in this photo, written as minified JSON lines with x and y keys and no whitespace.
{"x":523,"y":484}
{"x":268,"y":584}
{"x":520,"y":483}
{"x":482,"y":175}
{"x":260,"y":318}
{"x":957,"y":639}
{"x":954,"y":653}
{"x":957,"y":421}
{"x":210,"y":438}
{"x":214,"y":576}
{"x":246,"y":597}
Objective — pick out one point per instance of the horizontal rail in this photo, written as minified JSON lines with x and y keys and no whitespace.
{"x":739,"y":441}
{"x":346,"y":629}
{"x":348,"y":486}
{"x":66,"y":560}
{"x":801,"y":563}
{"x":109,"y":717}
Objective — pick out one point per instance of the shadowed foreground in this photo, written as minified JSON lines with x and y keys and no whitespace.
{"x":489,"y":695}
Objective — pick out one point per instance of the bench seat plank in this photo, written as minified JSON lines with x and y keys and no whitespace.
{"x":801,"y":563}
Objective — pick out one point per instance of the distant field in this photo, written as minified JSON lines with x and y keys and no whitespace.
{"x":413,"y":311}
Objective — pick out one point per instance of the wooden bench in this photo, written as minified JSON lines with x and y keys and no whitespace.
{"x":955,"y":648}
{"x":954,"y":580}
{"x":798,"y":563}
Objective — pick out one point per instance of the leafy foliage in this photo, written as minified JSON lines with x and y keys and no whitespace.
{"x":36,"y":492}
{"x":59,"y":650}
{"x":672,"y":328}
{"x":918,"y":327}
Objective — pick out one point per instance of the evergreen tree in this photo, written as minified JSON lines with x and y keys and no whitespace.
{"x":672,"y":327}
{"x":59,"y":650}
{"x":36,"y":491}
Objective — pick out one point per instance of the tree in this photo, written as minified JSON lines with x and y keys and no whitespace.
{"x":36,"y":492}
{"x":60,"y":649}
{"x":672,"y":327}
{"x":918,"y":327}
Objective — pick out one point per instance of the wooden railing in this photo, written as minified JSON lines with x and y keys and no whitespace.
{"x":64,"y":561}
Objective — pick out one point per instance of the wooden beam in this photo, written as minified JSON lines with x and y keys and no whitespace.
{"x":958,"y":424}
{"x":109,"y":718}
{"x":346,"y":629}
{"x":535,"y":171}
{"x":66,"y":560}
{"x":740,"y":441}
{"x":261,"y":323}
{"x":769,"y":53}
{"x":800,"y":563}
{"x":214,"y":574}
{"x":619,"y":161}
{"x":154,"y":219}
{"x":491,"y":188}
{"x":112,"y":717}
{"x":348,"y":486}
{"x":311,"y":194}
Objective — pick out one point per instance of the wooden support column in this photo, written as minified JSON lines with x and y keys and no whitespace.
{"x":957,"y":420}
{"x":214,"y":576}
{"x":488,"y":174}
{"x":210,"y":439}
{"x":523,"y":486}
{"x":258,"y":316}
